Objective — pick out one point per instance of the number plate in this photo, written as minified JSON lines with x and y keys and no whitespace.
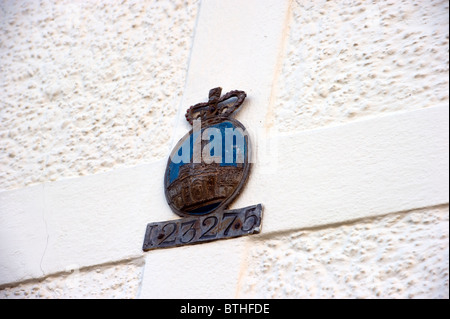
{"x":192,"y":230}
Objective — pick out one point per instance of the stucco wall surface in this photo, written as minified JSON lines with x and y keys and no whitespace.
{"x":88,"y":86}
{"x":350,"y":59}
{"x":404,"y":255}
{"x":116,"y":281}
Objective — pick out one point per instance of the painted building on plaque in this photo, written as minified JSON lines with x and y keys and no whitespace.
{"x":191,"y":190}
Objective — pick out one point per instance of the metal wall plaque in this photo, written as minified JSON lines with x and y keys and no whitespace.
{"x":205,"y":172}
{"x":192,"y":230}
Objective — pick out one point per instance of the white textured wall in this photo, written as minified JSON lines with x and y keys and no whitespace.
{"x":119,"y":280}
{"x":402,"y":255}
{"x":88,"y":86}
{"x":358,"y":209}
{"x":349,"y":59}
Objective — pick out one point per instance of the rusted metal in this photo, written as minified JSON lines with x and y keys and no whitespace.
{"x":202,"y":188}
{"x":217,"y":106}
{"x":193,"y":230}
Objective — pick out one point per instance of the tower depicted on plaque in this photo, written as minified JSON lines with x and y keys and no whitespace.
{"x":202,"y":185}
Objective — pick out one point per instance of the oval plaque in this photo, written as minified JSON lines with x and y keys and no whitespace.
{"x":209,"y":166}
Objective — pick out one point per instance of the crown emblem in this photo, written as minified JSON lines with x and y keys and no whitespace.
{"x":216,"y":106}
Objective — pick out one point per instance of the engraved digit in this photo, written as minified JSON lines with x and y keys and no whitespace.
{"x":148,"y":236}
{"x":255,"y":220}
{"x":173,"y":230}
{"x":189,"y":229}
{"x":232,"y":222}
{"x":209,"y":229}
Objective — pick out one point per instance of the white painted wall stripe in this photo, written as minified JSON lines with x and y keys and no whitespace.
{"x":371,"y":167}
{"x":236,"y":46}
{"x":23,"y":234}
{"x":366,"y":168}
{"x":89,"y":220}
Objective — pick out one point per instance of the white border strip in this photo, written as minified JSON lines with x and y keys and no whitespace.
{"x":367,"y":168}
